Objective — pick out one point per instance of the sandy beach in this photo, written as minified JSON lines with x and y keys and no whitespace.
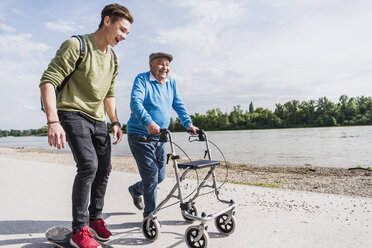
{"x":36,"y":194}
{"x":353,"y":182}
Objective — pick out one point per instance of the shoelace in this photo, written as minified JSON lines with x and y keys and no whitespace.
{"x":85,"y":233}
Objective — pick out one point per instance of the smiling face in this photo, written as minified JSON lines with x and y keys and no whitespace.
{"x":116,"y":31}
{"x":159,"y":67}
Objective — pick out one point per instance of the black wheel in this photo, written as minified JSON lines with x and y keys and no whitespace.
{"x":152,"y":232}
{"x":193,"y":211}
{"x":192,"y":233}
{"x":224,"y":225}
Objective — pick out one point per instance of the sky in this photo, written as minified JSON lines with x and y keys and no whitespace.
{"x":226,"y":52}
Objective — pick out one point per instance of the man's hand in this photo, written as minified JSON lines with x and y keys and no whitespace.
{"x":56,"y":135}
{"x":193,"y":130}
{"x":110,"y":106}
{"x":153,"y":128}
{"x":117,"y":133}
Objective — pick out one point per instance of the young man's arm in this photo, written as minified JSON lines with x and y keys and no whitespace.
{"x":60,"y":66}
{"x":110,"y":106}
{"x":56,"y":134}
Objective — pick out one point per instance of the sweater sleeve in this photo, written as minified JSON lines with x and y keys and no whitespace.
{"x":111,"y":91}
{"x":180,"y":108}
{"x":63,"y":63}
{"x":136,"y":101}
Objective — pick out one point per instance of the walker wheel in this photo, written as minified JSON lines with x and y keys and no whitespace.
{"x":192,"y":233}
{"x":193,"y":211}
{"x":224,"y":225}
{"x":152,"y":232}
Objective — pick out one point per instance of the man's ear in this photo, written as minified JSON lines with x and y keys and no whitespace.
{"x":107,"y":20}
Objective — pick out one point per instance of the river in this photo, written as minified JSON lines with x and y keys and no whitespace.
{"x":342,"y":147}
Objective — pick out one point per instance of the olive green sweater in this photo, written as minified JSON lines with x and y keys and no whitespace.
{"x":89,"y":85}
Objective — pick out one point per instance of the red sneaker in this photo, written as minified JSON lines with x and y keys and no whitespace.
{"x":98,"y":228}
{"x":84,"y":239}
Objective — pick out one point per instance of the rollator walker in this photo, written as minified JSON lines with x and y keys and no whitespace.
{"x":196,"y":235}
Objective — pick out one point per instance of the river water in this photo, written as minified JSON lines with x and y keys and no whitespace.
{"x":342,"y":147}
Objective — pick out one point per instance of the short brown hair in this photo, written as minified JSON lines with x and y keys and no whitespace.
{"x":115,"y":11}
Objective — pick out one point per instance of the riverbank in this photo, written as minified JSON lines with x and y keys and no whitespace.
{"x":356,"y":182}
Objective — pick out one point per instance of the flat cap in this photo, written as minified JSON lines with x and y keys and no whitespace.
{"x":160,"y":54}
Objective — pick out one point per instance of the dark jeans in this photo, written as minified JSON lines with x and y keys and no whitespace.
{"x":90,"y":144}
{"x":150,"y":158}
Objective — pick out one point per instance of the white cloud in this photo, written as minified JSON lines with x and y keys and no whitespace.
{"x":238,"y":51}
{"x":17,"y":11}
{"x":21,"y":57}
{"x":19,"y":45}
{"x":63,"y":26}
{"x":206,"y":22}
{"x":6,"y":28}
{"x":22,"y":61}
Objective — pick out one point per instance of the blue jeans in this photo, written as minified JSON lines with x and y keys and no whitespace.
{"x":90,"y":144}
{"x":150,"y":158}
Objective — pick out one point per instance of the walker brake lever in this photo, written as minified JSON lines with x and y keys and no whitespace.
{"x":201,"y":136}
{"x":163,"y":135}
{"x":168,"y":156}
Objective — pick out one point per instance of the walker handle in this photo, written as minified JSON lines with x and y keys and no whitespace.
{"x":201,"y":134}
{"x":162,"y":137}
{"x":198,"y":131}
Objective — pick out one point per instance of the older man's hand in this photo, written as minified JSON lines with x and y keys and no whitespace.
{"x":192,"y":129}
{"x":153,"y":128}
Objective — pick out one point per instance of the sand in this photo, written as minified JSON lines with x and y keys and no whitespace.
{"x":352,"y":182}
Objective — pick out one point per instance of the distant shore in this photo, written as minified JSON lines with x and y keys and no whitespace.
{"x":355,"y":182}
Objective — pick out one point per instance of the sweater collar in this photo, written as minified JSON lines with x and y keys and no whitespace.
{"x":152,"y":78}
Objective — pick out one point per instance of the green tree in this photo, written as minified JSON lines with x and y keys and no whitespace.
{"x":15,"y":133}
{"x":4,"y":133}
{"x":279,"y":111}
{"x":237,"y":118}
{"x":327,"y":112}
{"x":251,"y":108}
{"x":351,"y":109}
{"x":26,"y":133}
{"x":199,"y":120}
{"x":364,"y":104}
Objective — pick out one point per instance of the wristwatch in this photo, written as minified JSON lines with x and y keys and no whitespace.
{"x":115,"y":123}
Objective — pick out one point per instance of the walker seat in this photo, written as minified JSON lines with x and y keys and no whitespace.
{"x":198,"y":164}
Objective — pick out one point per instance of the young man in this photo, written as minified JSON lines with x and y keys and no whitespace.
{"x":154,"y":93}
{"x":78,"y":115}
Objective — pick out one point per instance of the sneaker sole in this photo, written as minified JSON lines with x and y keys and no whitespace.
{"x":73,"y":244}
{"x":96,"y":235}
{"x":76,"y":246}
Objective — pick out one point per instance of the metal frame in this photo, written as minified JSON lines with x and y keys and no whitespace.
{"x":204,"y":218}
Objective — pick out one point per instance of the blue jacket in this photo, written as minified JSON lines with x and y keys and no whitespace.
{"x":151,"y":101}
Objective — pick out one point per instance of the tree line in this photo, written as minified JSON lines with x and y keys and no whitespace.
{"x":348,"y":111}
{"x":29,"y":132}
{"x":293,"y":114}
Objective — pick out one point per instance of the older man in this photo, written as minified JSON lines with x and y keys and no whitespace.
{"x":154,"y":94}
